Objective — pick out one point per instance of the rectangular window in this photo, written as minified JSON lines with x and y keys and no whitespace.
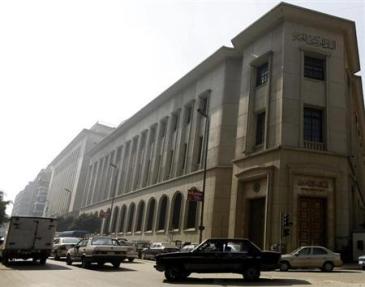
{"x":262,"y":74}
{"x":260,"y":128}
{"x":314,"y":68}
{"x":313,"y":125}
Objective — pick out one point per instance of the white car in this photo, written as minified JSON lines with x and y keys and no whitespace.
{"x":362,"y":262}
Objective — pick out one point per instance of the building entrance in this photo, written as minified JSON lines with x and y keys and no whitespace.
{"x":256,"y":221}
{"x":312,"y":221}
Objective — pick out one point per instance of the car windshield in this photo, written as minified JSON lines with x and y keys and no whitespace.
{"x":104,"y":241}
{"x":70,"y":240}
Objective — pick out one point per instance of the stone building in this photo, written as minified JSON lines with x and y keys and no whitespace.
{"x":286,"y":137}
{"x":68,"y":172}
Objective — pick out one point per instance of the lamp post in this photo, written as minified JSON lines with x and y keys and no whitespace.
{"x":69,"y":197}
{"x":114,"y":183}
{"x":206,"y":134}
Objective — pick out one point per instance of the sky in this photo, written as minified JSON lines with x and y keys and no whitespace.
{"x":65,"y":65}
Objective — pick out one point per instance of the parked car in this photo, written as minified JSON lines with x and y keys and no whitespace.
{"x":218,"y":256}
{"x":158,"y":248}
{"x":62,"y":244}
{"x":131,"y":249}
{"x":311,"y":257}
{"x":99,"y":249}
{"x":141,"y":245}
{"x":362,"y":262}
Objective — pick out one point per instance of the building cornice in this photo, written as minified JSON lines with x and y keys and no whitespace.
{"x":208,"y":64}
{"x":295,"y":14}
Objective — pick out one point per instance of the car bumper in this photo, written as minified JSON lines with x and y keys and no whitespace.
{"x":159,"y":268}
{"x":105,"y":258}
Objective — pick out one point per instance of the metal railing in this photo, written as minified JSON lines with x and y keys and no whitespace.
{"x":315,"y":145}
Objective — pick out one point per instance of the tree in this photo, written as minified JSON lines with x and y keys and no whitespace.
{"x":3,"y":204}
{"x":89,"y":222}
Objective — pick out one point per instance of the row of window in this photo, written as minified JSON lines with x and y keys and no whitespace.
{"x":141,"y":161}
{"x":314,"y":68}
{"x":153,"y":217}
{"x":313,"y":126}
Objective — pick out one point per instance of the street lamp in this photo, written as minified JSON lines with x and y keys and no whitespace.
{"x":206,"y":134}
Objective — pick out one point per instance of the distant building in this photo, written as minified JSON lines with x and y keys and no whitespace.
{"x":24,"y":200}
{"x":68,"y":171}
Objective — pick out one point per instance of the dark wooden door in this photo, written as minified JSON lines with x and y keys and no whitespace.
{"x":257,"y":221}
{"x":312,"y":221}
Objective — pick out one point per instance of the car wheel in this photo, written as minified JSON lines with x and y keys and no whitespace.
{"x":68,"y":260}
{"x":363,"y":268}
{"x":130,"y":259}
{"x":284,"y":266}
{"x":327,"y":267}
{"x":5,"y":260}
{"x":100,"y":263}
{"x":251,"y":274}
{"x":56,"y":257}
{"x":173,"y":274}
{"x":116,"y":264}
{"x":43,"y":260}
{"x":84,"y":263}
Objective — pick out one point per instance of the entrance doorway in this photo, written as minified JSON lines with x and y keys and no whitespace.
{"x":256,"y":221}
{"x":312,"y":221}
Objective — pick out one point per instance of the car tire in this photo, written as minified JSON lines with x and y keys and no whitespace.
{"x":251,"y":274}
{"x":68,"y":260}
{"x":116,"y":264}
{"x":363,"y":268}
{"x":84,"y":263}
{"x":5,"y":260}
{"x":173,"y":274}
{"x":43,"y":260}
{"x":56,"y":257}
{"x":130,"y":259}
{"x":327,"y":266}
{"x":284,"y":266}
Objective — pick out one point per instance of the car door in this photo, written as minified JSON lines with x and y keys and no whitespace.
{"x":79,"y":249}
{"x":207,"y":258}
{"x":302,"y":258}
{"x":320,"y":255}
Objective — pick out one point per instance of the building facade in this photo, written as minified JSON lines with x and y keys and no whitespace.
{"x":286,"y":129}
{"x":68,"y":172}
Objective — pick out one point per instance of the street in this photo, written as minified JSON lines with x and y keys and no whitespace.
{"x":142,"y":273}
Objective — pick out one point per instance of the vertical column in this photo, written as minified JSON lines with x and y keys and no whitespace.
{"x":137,"y":161}
{"x":146,"y":160}
{"x":155,"y":162}
{"x":87,"y":187}
{"x":166,"y":145}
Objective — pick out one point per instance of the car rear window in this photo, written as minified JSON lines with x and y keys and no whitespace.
{"x":104,"y":241}
{"x":70,"y":240}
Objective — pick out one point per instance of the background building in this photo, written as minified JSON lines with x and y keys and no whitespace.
{"x":68,"y":171}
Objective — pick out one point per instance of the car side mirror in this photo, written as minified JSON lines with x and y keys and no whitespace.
{"x":77,"y":246}
{"x":296,"y":254}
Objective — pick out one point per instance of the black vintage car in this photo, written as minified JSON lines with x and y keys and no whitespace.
{"x":218,"y":256}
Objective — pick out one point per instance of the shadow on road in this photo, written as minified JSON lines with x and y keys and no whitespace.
{"x":241,"y":282}
{"x":31,"y":266}
{"x":107,"y":268}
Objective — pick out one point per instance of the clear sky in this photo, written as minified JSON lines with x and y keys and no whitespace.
{"x":66,"y":64}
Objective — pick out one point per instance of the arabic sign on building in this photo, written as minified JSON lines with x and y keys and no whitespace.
{"x":314,"y":40}
{"x":313,"y":184}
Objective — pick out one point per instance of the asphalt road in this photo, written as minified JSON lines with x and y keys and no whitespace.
{"x":142,"y":273}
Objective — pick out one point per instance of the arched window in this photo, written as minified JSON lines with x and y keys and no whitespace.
{"x":162,"y":213}
{"x":132,"y":207}
{"x":176,"y":211}
{"x":114,"y":220}
{"x":140,"y":214}
{"x":122,"y":218}
{"x":150,"y":214}
{"x":191,"y":216}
